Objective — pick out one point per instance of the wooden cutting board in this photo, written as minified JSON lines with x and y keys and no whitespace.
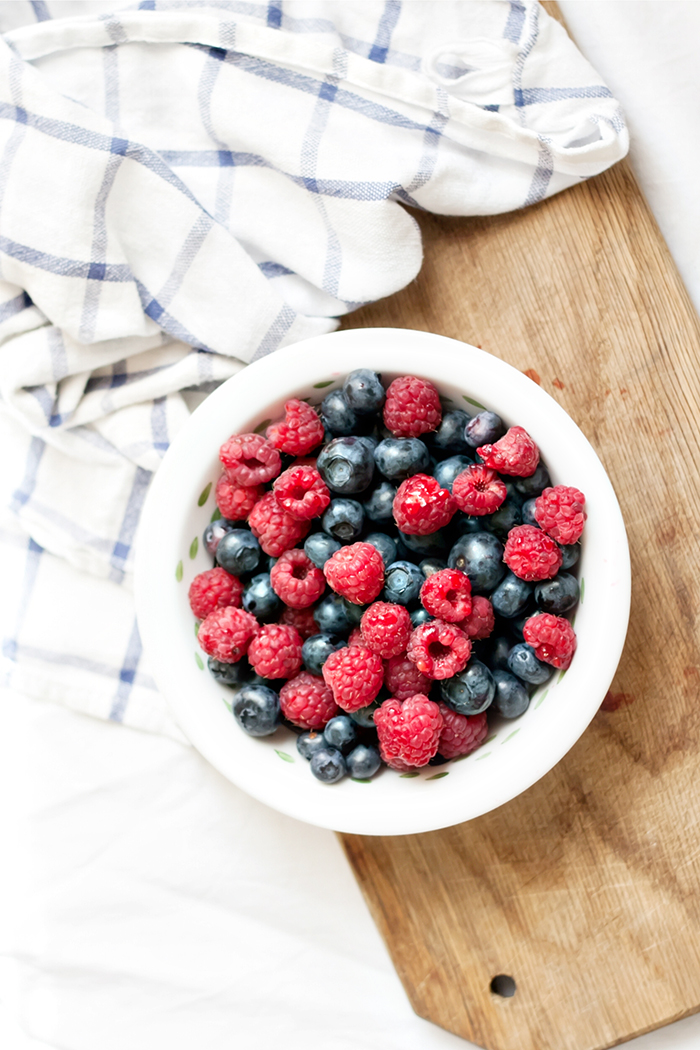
{"x":585,"y":889}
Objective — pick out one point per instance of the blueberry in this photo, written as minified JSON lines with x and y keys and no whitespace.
{"x":319,"y":547}
{"x":511,"y":597}
{"x":471,"y":691}
{"x":480,"y":555}
{"x":316,"y":650}
{"x":353,"y":612}
{"x":363,"y":762}
{"x":511,"y":698}
{"x":432,"y":546}
{"x":214,"y":532}
{"x":402,"y":582}
{"x":341,"y":732}
{"x":420,"y":616}
{"x":517,"y":625}
{"x":401,"y":458}
{"x":570,"y":553}
{"x":238,"y":551}
{"x":432,"y":565}
{"x":449,"y":436}
{"x":505,"y":518}
{"x":379,"y":506}
{"x":446,"y":472}
{"x":464,"y":523}
{"x":364,"y":716}
{"x":343,"y":519}
{"x":309,"y":742}
{"x":256,"y":708}
{"x":384,"y":544}
{"x":528,"y":512}
{"x":346,"y":464}
{"x":558,"y":595}
{"x":331,"y":617}
{"x":511,"y":491}
{"x":336,"y":414}
{"x":228,"y":674}
{"x":484,"y":429}
{"x":363,"y":391}
{"x":499,"y":648}
{"x":260,"y":599}
{"x":328,"y":765}
{"x":535,"y":484}
{"x":523,"y":663}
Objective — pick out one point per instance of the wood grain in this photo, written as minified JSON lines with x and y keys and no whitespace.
{"x":586,"y":888}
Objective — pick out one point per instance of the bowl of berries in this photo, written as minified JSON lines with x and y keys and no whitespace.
{"x":395,"y":583}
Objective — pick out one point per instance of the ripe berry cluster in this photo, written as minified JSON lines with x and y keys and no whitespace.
{"x":386,"y":573}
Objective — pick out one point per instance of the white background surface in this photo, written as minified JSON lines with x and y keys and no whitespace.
{"x":147,"y":903}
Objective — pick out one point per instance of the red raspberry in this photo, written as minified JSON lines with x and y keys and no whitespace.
{"x":531,"y":554}
{"x":226,"y":634}
{"x":421,"y":506}
{"x":302,"y":492}
{"x":275,"y":652}
{"x":481,"y":620}
{"x":403,"y":679}
{"x":409,"y":732}
{"x":302,"y":619}
{"x":214,"y":589}
{"x":412,"y":407}
{"x":552,"y":638}
{"x":386,"y":628}
{"x":461,"y":734}
{"x":515,"y":453}
{"x":478,"y":490}
{"x":297,"y":581}
{"x":307,"y":701}
{"x":236,"y":501}
{"x":355,"y":674}
{"x":447,"y":595}
{"x":274,"y":527}
{"x":300,"y":431}
{"x":395,"y":763}
{"x":356,"y":572}
{"x":356,"y":637}
{"x":249,"y":459}
{"x":559,"y":511}
{"x":439,"y":649}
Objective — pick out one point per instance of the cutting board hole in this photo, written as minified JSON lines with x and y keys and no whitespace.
{"x":503,"y":985}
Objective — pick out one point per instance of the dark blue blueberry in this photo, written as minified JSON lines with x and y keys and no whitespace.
{"x":336,"y":414}
{"x":260,"y":599}
{"x":484,"y":429}
{"x":402,"y":582}
{"x":446,"y":472}
{"x":511,"y":699}
{"x":341,"y":732}
{"x":331,"y":617}
{"x":346,"y":464}
{"x":238,"y":551}
{"x":328,"y":765}
{"x":343,"y":519}
{"x":319,"y":547}
{"x":275,"y":684}
{"x":504,"y":519}
{"x":528,"y":512}
{"x":316,"y":650}
{"x":214,"y":532}
{"x":363,"y":391}
{"x":480,"y":555}
{"x":363,"y":762}
{"x":570,"y":553}
{"x":557,"y":596}
{"x":471,"y":691}
{"x":432,"y":565}
{"x":353,"y":612}
{"x":449,"y":436}
{"x":432,"y":546}
{"x":517,"y":625}
{"x":401,"y":458}
{"x":499,"y":649}
{"x":511,"y":492}
{"x":535,"y":484}
{"x":228,"y":674}
{"x":256,"y":708}
{"x":309,"y":742}
{"x":464,"y":523}
{"x":511,"y":597}
{"x":384,"y":544}
{"x":420,"y":616}
{"x":380,"y":504}
{"x":523,"y":663}
{"x":364,"y":716}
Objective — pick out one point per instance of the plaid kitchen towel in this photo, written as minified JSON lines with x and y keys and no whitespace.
{"x":185,"y":187}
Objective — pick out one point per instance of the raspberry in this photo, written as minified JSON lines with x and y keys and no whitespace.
{"x":409,"y":732}
{"x":386,"y":628}
{"x":226,"y":634}
{"x":307,"y":701}
{"x":559,"y":511}
{"x":355,"y":674}
{"x":531,"y":554}
{"x":275,"y":652}
{"x":461,"y":734}
{"x":236,"y":501}
{"x":300,"y":431}
{"x":214,"y":589}
{"x":439,"y":649}
{"x":274,"y":527}
{"x":395,"y":763}
{"x":356,"y":572}
{"x":421,"y":506}
{"x":249,"y":459}
{"x":355,"y":637}
{"x":403,"y":679}
{"x":302,"y":619}
{"x":478,"y":490}
{"x":515,"y":453}
{"x":302,"y":492}
{"x":481,"y":620}
{"x":412,"y":407}
{"x":447,"y":595}
{"x":296,"y":580}
{"x":552,"y":638}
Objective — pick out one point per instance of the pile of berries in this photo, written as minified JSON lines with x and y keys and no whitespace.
{"x":387,"y":575}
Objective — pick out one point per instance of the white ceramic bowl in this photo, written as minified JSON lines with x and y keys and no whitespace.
{"x":170,"y":553}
